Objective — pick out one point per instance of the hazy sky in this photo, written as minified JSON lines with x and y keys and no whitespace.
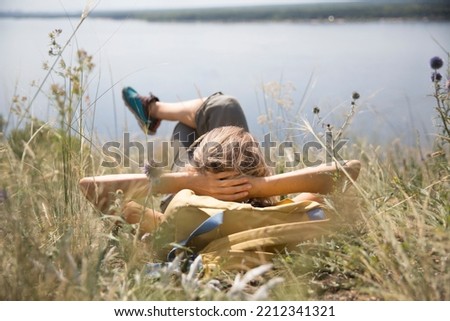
{"x":78,"y":5}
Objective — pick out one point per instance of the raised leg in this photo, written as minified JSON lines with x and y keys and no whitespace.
{"x":201,"y":114}
{"x":183,"y":111}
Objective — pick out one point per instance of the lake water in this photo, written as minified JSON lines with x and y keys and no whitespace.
{"x":386,"y":62}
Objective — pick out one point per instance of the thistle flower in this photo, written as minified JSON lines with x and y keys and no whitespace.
{"x":435,"y":76}
{"x":152,"y":171}
{"x":436,"y":63}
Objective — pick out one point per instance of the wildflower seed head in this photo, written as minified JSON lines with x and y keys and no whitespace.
{"x":355,"y":95}
{"x":262,"y":119}
{"x":436,"y":62}
{"x":435,"y":77}
{"x":316,"y":110}
{"x":147,"y":169}
{"x":152,"y":170}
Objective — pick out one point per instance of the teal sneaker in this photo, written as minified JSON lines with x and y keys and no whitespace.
{"x":139,"y":105}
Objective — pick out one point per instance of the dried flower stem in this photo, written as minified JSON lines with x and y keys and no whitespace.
{"x":440,"y":109}
{"x":58,"y":57}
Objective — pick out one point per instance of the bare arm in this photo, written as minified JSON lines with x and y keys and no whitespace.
{"x":321,"y":179}
{"x":101,"y":190}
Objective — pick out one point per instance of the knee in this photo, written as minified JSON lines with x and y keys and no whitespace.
{"x":231,"y":103}
{"x":229,"y":110}
{"x":309,"y":197}
{"x":148,"y":219}
{"x":223,"y":110}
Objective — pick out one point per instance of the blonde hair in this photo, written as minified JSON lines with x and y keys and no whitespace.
{"x":231,"y":148}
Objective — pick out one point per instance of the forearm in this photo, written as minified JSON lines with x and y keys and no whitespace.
{"x":289,"y":183}
{"x":100,"y":190}
{"x":171,"y":183}
{"x":321,"y":179}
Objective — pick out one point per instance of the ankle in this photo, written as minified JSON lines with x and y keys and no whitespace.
{"x":153,"y":109}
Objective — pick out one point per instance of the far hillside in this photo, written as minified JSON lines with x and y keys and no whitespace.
{"x":364,"y":10}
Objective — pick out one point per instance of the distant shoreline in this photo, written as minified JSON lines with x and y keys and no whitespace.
{"x":275,"y":13}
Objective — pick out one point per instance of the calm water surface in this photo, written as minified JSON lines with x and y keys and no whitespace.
{"x":386,"y":62}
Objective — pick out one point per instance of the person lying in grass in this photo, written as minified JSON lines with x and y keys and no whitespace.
{"x":223,"y":161}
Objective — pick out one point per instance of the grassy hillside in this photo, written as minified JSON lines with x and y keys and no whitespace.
{"x":390,"y":238}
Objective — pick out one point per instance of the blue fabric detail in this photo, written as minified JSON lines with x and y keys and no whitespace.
{"x":208,"y":225}
{"x":316,"y":214}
